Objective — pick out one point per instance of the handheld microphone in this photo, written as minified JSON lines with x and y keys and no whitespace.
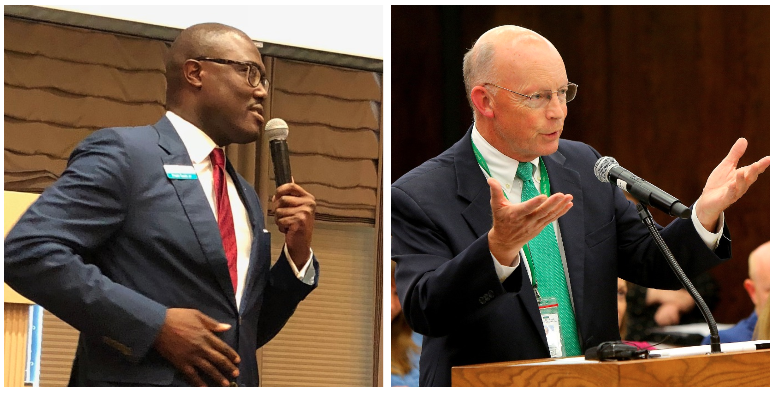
{"x":277,"y":132}
{"x":608,"y":170}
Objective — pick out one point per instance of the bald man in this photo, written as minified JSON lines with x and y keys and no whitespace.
{"x":507,"y":246}
{"x":758,"y":286}
{"x":154,"y":247}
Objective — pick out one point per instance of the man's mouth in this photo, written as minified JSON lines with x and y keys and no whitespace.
{"x":258,"y":110}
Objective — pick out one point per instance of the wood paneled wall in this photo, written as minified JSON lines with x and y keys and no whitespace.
{"x":666,"y":90}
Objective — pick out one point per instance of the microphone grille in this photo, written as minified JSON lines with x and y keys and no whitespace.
{"x":276,"y":129}
{"x":602,"y":167}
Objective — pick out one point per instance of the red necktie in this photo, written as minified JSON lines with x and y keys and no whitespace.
{"x":224,"y":209}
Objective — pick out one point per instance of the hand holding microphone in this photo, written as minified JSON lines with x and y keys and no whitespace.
{"x":294,"y":207}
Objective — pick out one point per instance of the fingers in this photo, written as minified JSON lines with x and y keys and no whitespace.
{"x":746,"y":176}
{"x":497,"y":198}
{"x":736,"y":152}
{"x":555,"y":207}
{"x":293,"y":201}
{"x":290,"y":189}
{"x":223,"y":354}
{"x":212,"y":324}
{"x":207,"y":367}
{"x":218,"y":358}
{"x":755,"y":169}
{"x":192,"y":376}
{"x":221,"y":346}
{"x":525,"y":220}
{"x":294,"y":208}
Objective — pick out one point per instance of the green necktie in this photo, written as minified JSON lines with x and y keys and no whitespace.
{"x":548,"y":269}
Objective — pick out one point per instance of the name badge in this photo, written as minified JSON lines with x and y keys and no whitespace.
{"x":548,"y":308}
{"x":180,"y":172}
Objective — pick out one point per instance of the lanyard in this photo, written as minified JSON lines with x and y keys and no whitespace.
{"x":545,"y":188}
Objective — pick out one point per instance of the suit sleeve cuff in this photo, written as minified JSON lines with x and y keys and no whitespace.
{"x":710,"y":239}
{"x":503,"y":272}
{"x":303,"y":273}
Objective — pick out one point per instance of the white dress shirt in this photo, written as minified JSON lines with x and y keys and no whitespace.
{"x":199,"y":145}
{"x":504,"y":169}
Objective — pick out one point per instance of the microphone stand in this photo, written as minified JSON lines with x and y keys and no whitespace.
{"x":646,"y":217}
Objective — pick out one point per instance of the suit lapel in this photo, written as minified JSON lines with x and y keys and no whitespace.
{"x":473,"y":187}
{"x":572,"y":228}
{"x":198,"y":211}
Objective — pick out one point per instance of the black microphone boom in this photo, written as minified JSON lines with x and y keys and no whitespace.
{"x":277,"y":132}
{"x":608,"y":170}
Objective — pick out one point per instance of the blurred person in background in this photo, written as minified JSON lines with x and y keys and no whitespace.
{"x":762,"y":330}
{"x":405,"y":344}
{"x":648,"y":307}
{"x":758,"y":286}
{"x":622,"y":316}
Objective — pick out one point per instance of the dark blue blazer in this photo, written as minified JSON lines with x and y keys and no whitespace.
{"x":113,"y":243}
{"x":440,"y":217}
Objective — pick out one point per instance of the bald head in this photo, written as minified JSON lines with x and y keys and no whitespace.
{"x":760,"y":261}
{"x":205,"y":39}
{"x":498,"y":51}
{"x":759,"y":283}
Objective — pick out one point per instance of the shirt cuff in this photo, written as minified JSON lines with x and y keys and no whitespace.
{"x":502,"y":271}
{"x":301,"y":274}
{"x":710,"y":239}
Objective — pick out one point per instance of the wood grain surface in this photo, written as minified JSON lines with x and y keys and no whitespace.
{"x":727,"y":370}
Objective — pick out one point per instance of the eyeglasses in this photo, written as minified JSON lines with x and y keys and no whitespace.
{"x":541,"y":98}
{"x":254,"y":75}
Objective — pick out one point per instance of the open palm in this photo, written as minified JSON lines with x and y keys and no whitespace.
{"x":727,"y":184}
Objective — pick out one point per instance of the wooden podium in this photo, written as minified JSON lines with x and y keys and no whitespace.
{"x":725,"y":369}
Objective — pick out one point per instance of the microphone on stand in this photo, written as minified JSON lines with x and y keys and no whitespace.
{"x":608,"y":170}
{"x":277,"y":133}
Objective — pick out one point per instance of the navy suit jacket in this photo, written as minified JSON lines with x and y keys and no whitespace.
{"x":440,"y":217}
{"x":113,"y":243}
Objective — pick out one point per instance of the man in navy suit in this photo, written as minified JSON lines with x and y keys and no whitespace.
{"x":127,"y":245}
{"x":470,"y":272}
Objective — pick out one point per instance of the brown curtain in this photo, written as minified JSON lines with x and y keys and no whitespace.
{"x":333,"y":115}
{"x":63,"y":83}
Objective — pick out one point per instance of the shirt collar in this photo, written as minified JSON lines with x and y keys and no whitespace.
{"x":197,"y":143}
{"x":501,"y":166}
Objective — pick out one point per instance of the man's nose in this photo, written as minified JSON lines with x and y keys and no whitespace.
{"x":555,"y":108}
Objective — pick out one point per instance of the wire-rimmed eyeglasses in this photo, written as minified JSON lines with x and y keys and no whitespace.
{"x":254,"y":73}
{"x":541,"y":98}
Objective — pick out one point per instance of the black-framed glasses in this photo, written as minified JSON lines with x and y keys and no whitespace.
{"x":541,"y":98}
{"x":255,"y":77}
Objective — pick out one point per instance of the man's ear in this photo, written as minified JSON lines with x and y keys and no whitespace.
{"x":192,"y":73}
{"x":749,"y":286}
{"x":483,"y":101}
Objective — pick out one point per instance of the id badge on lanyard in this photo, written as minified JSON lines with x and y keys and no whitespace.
{"x":548,"y":308}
